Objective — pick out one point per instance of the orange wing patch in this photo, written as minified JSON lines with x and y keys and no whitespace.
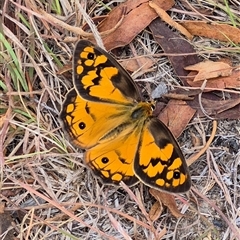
{"x":113,"y":160}
{"x":90,"y":123}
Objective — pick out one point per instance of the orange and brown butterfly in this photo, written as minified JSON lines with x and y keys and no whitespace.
{"x":104,"y":114}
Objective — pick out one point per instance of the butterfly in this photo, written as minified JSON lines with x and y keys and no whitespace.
{"x":105,"y":115}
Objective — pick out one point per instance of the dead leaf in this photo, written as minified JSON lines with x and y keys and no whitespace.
{"x":156,"y":211}
{"x":176,"y":115}
{"x":168,"y":200}
{"x":142,"y":63}
{"x":167,"y":19}
{"x":209,"y":69}
{"x":138,"y":16}
{"x":173,"y":44}
{"x":227,"y":104}
{"x":222,"y":32}
{"x":178,"y":96}
{"x":64,"y":69}
{"x":232,"y":81}
{"x":218,"y":108}
{"x":2,"y":208}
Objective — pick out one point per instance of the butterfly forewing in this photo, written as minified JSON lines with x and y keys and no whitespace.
{"x":89,"y":123}
{"x":99,"y":77}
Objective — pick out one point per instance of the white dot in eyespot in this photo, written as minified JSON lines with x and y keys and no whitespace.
{"x":159,"y":91}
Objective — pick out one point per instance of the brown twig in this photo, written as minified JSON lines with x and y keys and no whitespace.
{"x":192,"y":159}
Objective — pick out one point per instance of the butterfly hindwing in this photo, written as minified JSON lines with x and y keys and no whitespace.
{"x":159,"y":162}
{"x":113,"y":161}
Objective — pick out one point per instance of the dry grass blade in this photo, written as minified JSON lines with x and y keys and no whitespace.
{"x":57,"y":205}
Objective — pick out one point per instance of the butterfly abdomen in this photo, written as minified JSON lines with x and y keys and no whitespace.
{"x":121,"y":129}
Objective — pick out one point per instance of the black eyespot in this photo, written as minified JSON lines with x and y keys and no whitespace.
{"x":176,"y":175}
{"x":82,"y":125}
{"x":105,"y":160}
{"x":90,"y":56}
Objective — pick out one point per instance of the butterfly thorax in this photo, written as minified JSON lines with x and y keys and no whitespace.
{"x":135,"y":117}
{"x":142,"y":111}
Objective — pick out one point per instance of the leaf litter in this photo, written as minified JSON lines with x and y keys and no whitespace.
{"x":46,"y":170}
